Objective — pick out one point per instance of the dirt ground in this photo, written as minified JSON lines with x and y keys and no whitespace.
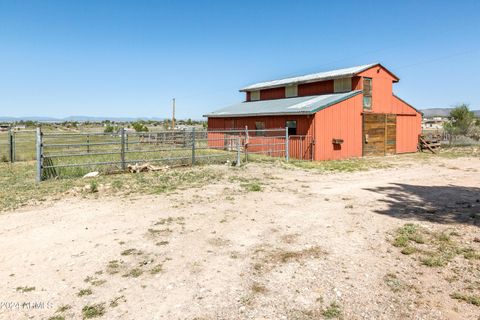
{"x":307,"y":245}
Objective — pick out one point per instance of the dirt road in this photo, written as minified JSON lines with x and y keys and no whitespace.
{"x":306,"y":246}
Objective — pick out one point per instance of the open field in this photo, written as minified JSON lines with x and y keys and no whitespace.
{"x":382,"y":238}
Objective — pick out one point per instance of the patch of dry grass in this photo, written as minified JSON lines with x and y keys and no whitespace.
{"x":258,"y":288}
{"x":25,"y":289}
{"x":268,"y":258}
{"x":444,"y":250}
{"x":472,"y":299}
{"x":395,"y":284}
{"x":18,"y":186}
{"x":93,"y":310}
{"x":114,"y":266}
{"x":133,"y":273}
{"x":84,"y":292}
{"x":434,"y":249}
{"x":115,"y":302}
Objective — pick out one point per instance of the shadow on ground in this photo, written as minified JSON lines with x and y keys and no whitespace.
{"x":441,"y":204}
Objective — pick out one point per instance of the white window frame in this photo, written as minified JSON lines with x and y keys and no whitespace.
{"x":291,"y":91}
{"x":342,"y":85}
{"x":255,"y":95}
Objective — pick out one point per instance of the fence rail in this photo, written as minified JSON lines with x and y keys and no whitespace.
{"x":17,"y":145}
{"x":78,"y":153}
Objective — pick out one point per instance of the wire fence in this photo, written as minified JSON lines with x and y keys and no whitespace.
{"x":75,"y":154}
{"x":4,"y":147}
{"x":17,"y":145}
{"x":448,"y":139}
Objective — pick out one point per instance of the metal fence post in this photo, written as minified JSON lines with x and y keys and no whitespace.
{"x":302,"y":141}
{"x":14,"y":149}
{"x":286,"y":144}
{"x":122,"y":148}
{"x":39,"y":155}
{"x":193,"y":147}
{"x":88,"y":143}
{"x":238,"y":152}
{"x":11,"y":147}
{"x":246,"y":144}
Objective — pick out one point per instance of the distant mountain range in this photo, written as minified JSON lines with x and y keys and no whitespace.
{"x":430,"y":112}
{"x":442,"y":112}
{"x":77,"y":118}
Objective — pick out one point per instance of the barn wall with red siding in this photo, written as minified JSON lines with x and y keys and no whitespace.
{"x":340,"y":121}
{"x":300,"y":146}
{"x":409,"y":126}
{"x":357,"y":83}
{"x":315,"y":88}
{"x":401,"y":107}
{"x":382,"y":95}
{"x":304,"y":123}
{"x":306,"y":89}
{"x":273,"y":93}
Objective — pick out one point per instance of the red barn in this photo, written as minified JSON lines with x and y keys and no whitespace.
{"x":337,"y":114}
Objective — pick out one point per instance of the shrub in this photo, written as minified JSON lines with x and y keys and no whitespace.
{"x":93,"y":187}
{"x":109,"y":129}
{"x":93,"y":311}
{"x":333,"y":311}
{"x":139,"y":127}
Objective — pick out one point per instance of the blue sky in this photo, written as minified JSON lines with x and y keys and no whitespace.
{"x":129,"y":58}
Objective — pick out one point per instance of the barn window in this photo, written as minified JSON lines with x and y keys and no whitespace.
{"x":255,"y":95}
{"x":342,"y":85}
{"x":259,"y":127}
{"x":291,"y":91}
{"x":292,"y":127}
{"x":367,"y":93}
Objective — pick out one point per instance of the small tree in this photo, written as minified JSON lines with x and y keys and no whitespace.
{"x":139,"y":127}
{"x":109,"y":129}
{"x":461,"y":120}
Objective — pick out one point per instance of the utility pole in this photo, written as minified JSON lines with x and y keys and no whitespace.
{"x":173,"y":114}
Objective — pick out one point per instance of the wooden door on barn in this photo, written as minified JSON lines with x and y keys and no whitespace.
{"x":379,"y":134}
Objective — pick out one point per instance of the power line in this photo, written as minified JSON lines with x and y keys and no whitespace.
{"x":437,"y":59}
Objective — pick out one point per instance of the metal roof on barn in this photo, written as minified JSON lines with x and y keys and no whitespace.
{"x":289,"y":106}
{"x":321,"y":76}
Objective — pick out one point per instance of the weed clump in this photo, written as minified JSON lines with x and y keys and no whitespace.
{"x":93,"y":187}
{"x":472,"y":299}
{"x":332,"y":311}
{"x":93,"y":311}
{"x":252,"y":186}
{"x":25,"y":289}
{"x":84,"y":292}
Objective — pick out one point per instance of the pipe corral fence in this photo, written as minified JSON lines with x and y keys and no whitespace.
{"x":75,"y":154}
{"x":17,"y":145}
